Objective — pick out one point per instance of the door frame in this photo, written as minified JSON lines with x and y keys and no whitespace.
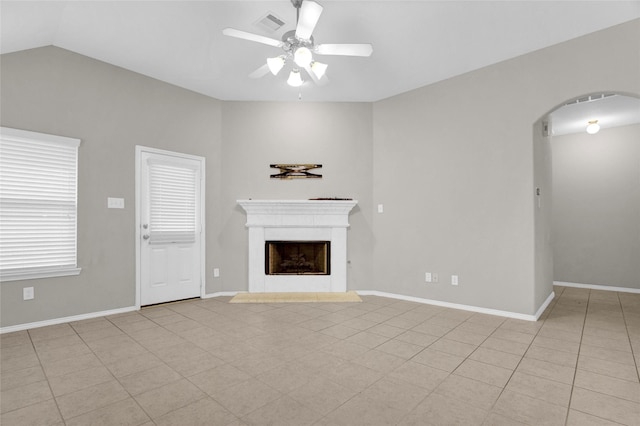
{"x":144,"y":149}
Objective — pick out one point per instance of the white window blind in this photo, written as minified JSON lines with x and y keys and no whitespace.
{"x":172,"y":203}
{"x":38,"y":205}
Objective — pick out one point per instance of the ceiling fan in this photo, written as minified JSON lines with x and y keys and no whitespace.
{"x":299,"y":46}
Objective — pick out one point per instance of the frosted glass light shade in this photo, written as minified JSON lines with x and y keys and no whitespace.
{"x":275,"y":64}
{"x":593,"y":127}
{"x":295,"y":79}
{"x":318,"y":69}
{"x":302,"y":57}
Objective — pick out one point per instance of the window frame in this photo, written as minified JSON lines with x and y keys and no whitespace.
{"x":25,"y":136}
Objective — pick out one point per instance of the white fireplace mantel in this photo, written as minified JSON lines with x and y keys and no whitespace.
{"x":297,"y":220}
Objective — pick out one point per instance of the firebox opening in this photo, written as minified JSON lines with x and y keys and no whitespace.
{"x":297,"y":258}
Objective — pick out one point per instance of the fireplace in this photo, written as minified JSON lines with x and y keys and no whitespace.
{"x":297,"y":257}
{"x":309,"y":224}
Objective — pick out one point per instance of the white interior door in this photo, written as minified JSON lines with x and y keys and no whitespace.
{"x":170,"y":226}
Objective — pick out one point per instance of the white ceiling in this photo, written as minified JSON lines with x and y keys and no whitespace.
{"x":415,"y":42}
{"x":610,"y":111}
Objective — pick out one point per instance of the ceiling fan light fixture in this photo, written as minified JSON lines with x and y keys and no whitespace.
{"x":299,"y":46}
{"x":319,"y":69}
{"x":302,"y":57}
{"x":593,"y":127}
{"x":295,"y":79}
{"x":275,"y":64}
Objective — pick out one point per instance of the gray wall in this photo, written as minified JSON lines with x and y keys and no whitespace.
{"x":453,"y":163}
{"x":596,"y":207}
{"x":454,"y":166}
{"x":55,"y":91}
{"x":111,"y":110}
{"x":336,"y":135}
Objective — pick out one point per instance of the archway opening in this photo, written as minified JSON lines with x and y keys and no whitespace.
{"x":587,"y":218}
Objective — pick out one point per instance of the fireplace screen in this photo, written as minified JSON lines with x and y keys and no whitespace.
{"x":297,"y":258}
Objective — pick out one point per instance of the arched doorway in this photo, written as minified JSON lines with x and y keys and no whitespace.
{"x":587,"y":205}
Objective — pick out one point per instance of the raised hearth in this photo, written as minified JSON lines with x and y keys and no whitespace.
{"x":322,"y":221}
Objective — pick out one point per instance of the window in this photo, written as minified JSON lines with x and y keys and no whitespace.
{"x":38,"y":205}
{"x":172,"y":202}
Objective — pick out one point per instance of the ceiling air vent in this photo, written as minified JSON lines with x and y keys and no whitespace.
{"x":590,"y":98}
{"x":270,"y":22}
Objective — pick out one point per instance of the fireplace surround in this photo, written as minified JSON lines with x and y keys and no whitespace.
{"x":303,"y":221}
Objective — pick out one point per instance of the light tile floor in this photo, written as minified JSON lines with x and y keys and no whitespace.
{"x":380,"y":362}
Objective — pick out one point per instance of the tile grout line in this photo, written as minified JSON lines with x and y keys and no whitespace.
{"x":110,"y":372}
{"x":626,"y":326}
{"x":575,"y":371}
{"x":563,"y":314}
{"x":385,"y":374}
{"x":518,"y":364}
{"x":325,"y":416}
{"x":53,"y":397}
{"x":205,"y":394}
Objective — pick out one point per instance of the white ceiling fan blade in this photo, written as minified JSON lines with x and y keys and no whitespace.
{"x":260,"y":72}
{"x":344,"y":49}
{"x":310,"y":12}
{"x":318,"y":81}
{"x":232,"y":32}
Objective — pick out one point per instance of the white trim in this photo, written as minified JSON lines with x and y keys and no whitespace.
{"x":478,"y":309}
{"x":597,"y":287}
{"x":28,"y":136}
{"x":32,"y":275}
{"x":37,"y":324}
{"x":139,"y":150}
{"x":297,"y":220}
{"x":220,"y":294}
{"x":91,"y":315}
{"x":138,"y":177}
{"x":545,"y":305}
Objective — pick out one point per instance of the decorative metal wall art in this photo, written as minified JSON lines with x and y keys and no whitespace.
{"x":295,"y":171}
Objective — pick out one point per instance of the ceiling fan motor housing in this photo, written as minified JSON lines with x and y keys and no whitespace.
{"x":291,"y":43}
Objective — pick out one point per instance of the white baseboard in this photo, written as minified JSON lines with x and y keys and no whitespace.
{"x":597,"y":287}
{"x":55,"y":321}
{"x":63,"y":320}
{"x":545,"y":305}
{"x":470,"y":308}
{"x":488,"y":311}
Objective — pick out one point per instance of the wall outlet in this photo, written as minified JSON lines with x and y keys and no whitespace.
{"x":380,"y":208}
{"x":28,"y":293}
{"x":454,"y":280}
{"x":115,"y":203}
{"x":216,"y":272}
{"x":435,"y":277}
{"x":428,"y":277}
